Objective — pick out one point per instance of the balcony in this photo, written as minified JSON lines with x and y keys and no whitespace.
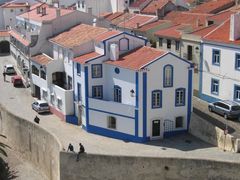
{"x":112,"y":107}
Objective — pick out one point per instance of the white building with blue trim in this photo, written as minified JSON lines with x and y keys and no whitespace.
{"x":123,"y":89}
{"x":220,"y":62}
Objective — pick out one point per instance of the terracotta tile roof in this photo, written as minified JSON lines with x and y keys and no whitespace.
{"x":15,"y":5}
{"x":221,"y":34}
{"x":172,"y":32}
{"x":137,"y":58}
{"x":50,"y":14}
{"x":4,"y":33}
{"x":114,"y":16}
{"x":107,"y":34}
{"x":152,"y":7}
{"x":204,"y":31}
{"x":133,"y":22}
{"x":220,"y":17}
{"x":25,"y":42}
{"x":86,"y":57}
{"x":78,"y":35}
{"x":106,"y":14}
{"x":152,"y":25}
{"x":123,"y":17}
{"x":138,"y":3}
{"x":213,"y":6}
{"x":42,"y":59}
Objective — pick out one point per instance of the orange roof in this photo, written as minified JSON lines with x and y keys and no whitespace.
{"x":4,"y":33}
{"x":220,"y":17}
{"x":213,"y":6}
{"x":42,"y":59}
{"x":114,"y":16}
{"x":50,"y":14}
{"x":173,"y":32}
{"x":152,"y":25}
{"x":204,"y":31}
{"x":25,"y":42}
{"x":78,"y":35}
{"x":123,"y":17}
{"x":135,"y":20}
{"x":221,"y":34}
{"x":153,"y":6}
{"x":137,"y":3}
{"x":107,"y":34}
{"x":85,"y":57}
{"x":15,"y":5}
{"x":137,"y":58}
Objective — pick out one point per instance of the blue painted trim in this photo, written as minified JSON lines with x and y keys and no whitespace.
{"x":78,"y":69}
{"x":86,"y":96}
{"x":124,"y":38}
{"x":213,"y":55}
{"x":160,"y":93}
{"x":213,"y":80}
{"x":74,"y":96}
{"x":184,"y":99}
{"x":117,"y":88}
{"x":107,"y":112}
{"x":144,"y":105}
{"x":237,"y":61}
{"x":164,"y":75}
{"x":93,"y":77}
{"x":101,"y":88}
{"x":207,"y":98}
{"x":116,"y":135}
{"x":72,"y":119}
{"x":174,"y":133}
{"x":136,"y":107}
{"x":236,"y":87}
{"x":190,"y":88}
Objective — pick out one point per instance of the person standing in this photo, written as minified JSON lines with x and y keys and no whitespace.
{"x":4,"y":76}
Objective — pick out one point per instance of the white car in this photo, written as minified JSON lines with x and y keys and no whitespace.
{"x":9,"y":69}
{"x":40,"y":106}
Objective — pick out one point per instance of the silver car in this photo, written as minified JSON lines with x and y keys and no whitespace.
{"x":40,"y":106}
{"x":228,"y":109}
{"x":9,"y":69}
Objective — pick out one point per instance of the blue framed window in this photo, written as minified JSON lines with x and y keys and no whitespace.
{"x":156,"y":99}
{"x":237,"y":62}
{"x":96,"y":70}
{"x":236,"y":93}
{"x":180,"y":95}
{"x":216,"y":57}
{"x":168,"y":76}
{"x":117,"y":94}
{"x":78,"y":69}
{"x":97,"y":92}
{"x":79,"y":92}
{"x":215,"y":86}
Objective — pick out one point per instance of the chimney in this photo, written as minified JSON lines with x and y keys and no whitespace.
{"x":114,"y":52}
{"x":58,"y":12}
{"x":234,"y":27}
{"x":138,"y":25}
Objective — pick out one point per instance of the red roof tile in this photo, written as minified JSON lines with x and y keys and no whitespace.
{"x":123,"y":17}
{"x":114,"y":16}
{"x":86,"y":57}
{"x":221,"y":34}
{"x":4,"y":33}
{"x":173,"y":32}
{"x":204,"y":31}
{"x":42,"y":59}
{"x":15,"y":5}
{"x":138,"y":3}
{"x":213,"y":6}
{"x":107,"y":34}
{"x":25,"y":42}
{"x":78,"y":35}
{"x":220,"y":17}
{"x":152,"y":25}
{"x":152,"y":7}
{"x":137,"y":58}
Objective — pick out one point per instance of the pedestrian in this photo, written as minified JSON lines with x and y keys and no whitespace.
{"x":70,"y":148}
{"x":36,"y":120}
{"x":81,"y":150}
{"x":4,"y":76}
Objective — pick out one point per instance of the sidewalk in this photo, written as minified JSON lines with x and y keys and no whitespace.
{"x":18,"y":101}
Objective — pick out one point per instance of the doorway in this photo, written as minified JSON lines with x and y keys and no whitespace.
{"x":156,"y":128}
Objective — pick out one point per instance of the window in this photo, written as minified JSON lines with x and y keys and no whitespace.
{"x":177,"y":45}
{"x":112,"y":122}
{"x":44,"y":95}
{"x":237,"y":93}
{"x":59,"y":103}
{"x":78,"y":4}
{"x":180,"y":97}
{"x":79,"y":92}
{"x":21,"y":10}
{"x":96,"y":71}
{"x":69,"y":57}
{"x":35,"y":70}
{"x":156,"y":99}
{"x":168,"y":76}
{"x":215,"y":86}
{"x":11,"y":10}
{"x":117,"y":94}
{"x":43,"y":74}
{"x":83,"y":4}
{"x":160,"y":42}
{"x":179,"y":122}
{"x":97,"y":92}
{"x":69,"y":82}
{"x":124,"y":44}
{"x":168,"y":43}
{"x":52,"y":99}
{"x":78,"y":69}
{"x":237,"y":62}
{"x":216,"y":57}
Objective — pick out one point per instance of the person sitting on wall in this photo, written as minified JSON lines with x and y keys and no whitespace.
{"x":36,"y":120}
{"x":70,"y":148}
{"x":81,"y":150}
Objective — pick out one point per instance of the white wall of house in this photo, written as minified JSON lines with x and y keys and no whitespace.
{"x":173,"y":45}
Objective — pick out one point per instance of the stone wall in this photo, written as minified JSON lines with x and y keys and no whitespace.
{"x":33,"y":143}
{"x":98,"y":167}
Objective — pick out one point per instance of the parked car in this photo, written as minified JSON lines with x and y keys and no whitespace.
{"x":17,"y":81}
{"x":9,"y":69}
{"x":40,"y":106}
{"x":228,"y":109}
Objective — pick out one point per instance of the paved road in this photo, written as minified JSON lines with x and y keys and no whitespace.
{"x":18,"y":101}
